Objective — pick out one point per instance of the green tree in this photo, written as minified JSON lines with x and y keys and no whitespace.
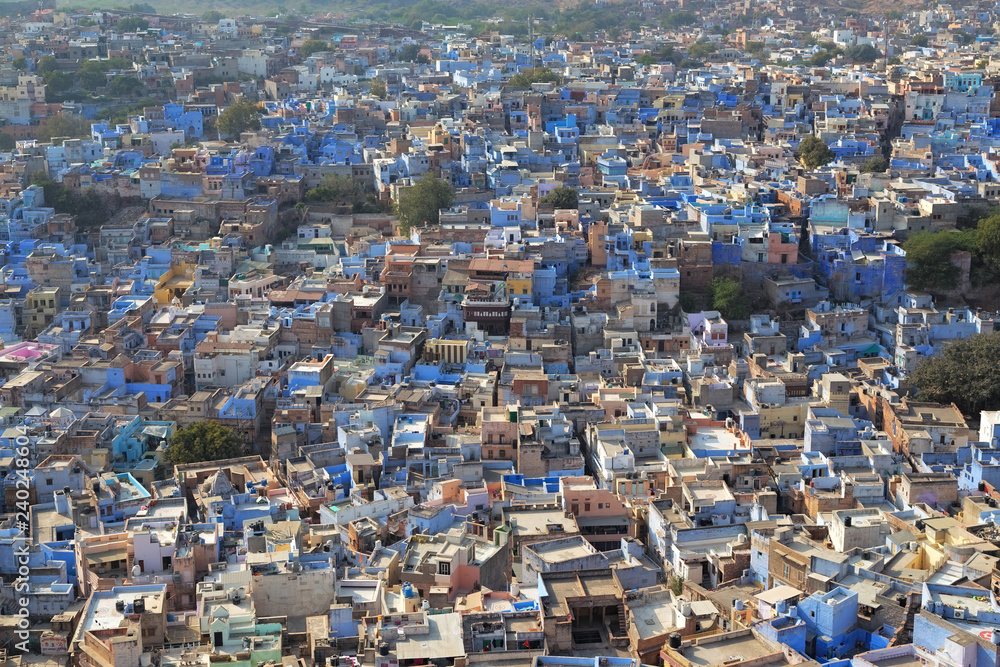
{"x":727,"y":298}
{"x":212,"y":16}
{"x":647,"y":59}
{"x":813,"y":152}
{"x":820,"y":58}
{"x":875,"y":165}
{"x":47,"y":64}
{"x":335,"y":189}
{"x":919,"y":41}
{"x":204,"y":441}
{"x":420,"y":203}
{"x":988,"y":239}
{"x":57,"y":82}
{"x":862,"y":53}
{"x":928,"y":257}
{"x":701,"y":50}
{"x":240,"y":116}
{"x":63,"y":125}
{"x":677,"y":585}
{"x":90,"y":210}
{"x":92,"y":75}
{"x":982,"y":63}
{"x":409,"y":53}
{"x":378,"y":89}
{"x":688,"y":302}
{"x":965,"y":373}
{"x":530,"y":75}
{"x":679,"y":19}
{"x":311,"y":46}
{"x":125,"y":86}
{"x":756,"y":48}
{"x":20,"y":63}
{"x":7,"y":142}
{"x":561,"y":197}
{"x":964,"y":37}
{"x":132,"y":24}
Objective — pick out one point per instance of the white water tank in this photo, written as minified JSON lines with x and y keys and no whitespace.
{"x":515,"y":590}
{"x":145,"y":660}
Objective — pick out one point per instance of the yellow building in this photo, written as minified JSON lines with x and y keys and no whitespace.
{"x":519,"y":284}
{"x":448,"y":351}
{"x":174,"y":283}
{"x":40,"y":308}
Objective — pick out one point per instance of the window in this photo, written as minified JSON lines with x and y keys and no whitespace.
{"x":444,"y":568}
{"x":786,"y":569}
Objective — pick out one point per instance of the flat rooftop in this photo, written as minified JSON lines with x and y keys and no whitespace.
{"x":558,"y":551}
{"x":102,"y":613}
{"x":720,"y":652}
{"x":443,"y":640}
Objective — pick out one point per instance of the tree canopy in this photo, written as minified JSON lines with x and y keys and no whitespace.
{"x":530,"y":75}
{"x":240,"y":116}
{"x":47,"y":64}
{"x":344,"y":191}
{"x":988,"y":239}
{"x":813,"y":152}
{"x":666,"y":55}
{"x":863,"y":53}
{"x":204,"y":441}
{"x":965,"y":373}
{"x":820,"y":58}
{"x":57,"y":82}
{"x":63,"y":125}
{"x":875,"y":165}
{"x":93,"y":73}
{"x":928,"y":258}
{"x":700,"y":50}
{"x":420,"y":203}
{"x":311,"y":46}
{"x":411,"y":53}
{"x":561,"y":197}
{"x":88,"y":207}
{"x":727,"y":298}
{"x":125,"y":86}
{"x":378,"y":89}
{"x":133,"y":24}
{"x":679,"y":19}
